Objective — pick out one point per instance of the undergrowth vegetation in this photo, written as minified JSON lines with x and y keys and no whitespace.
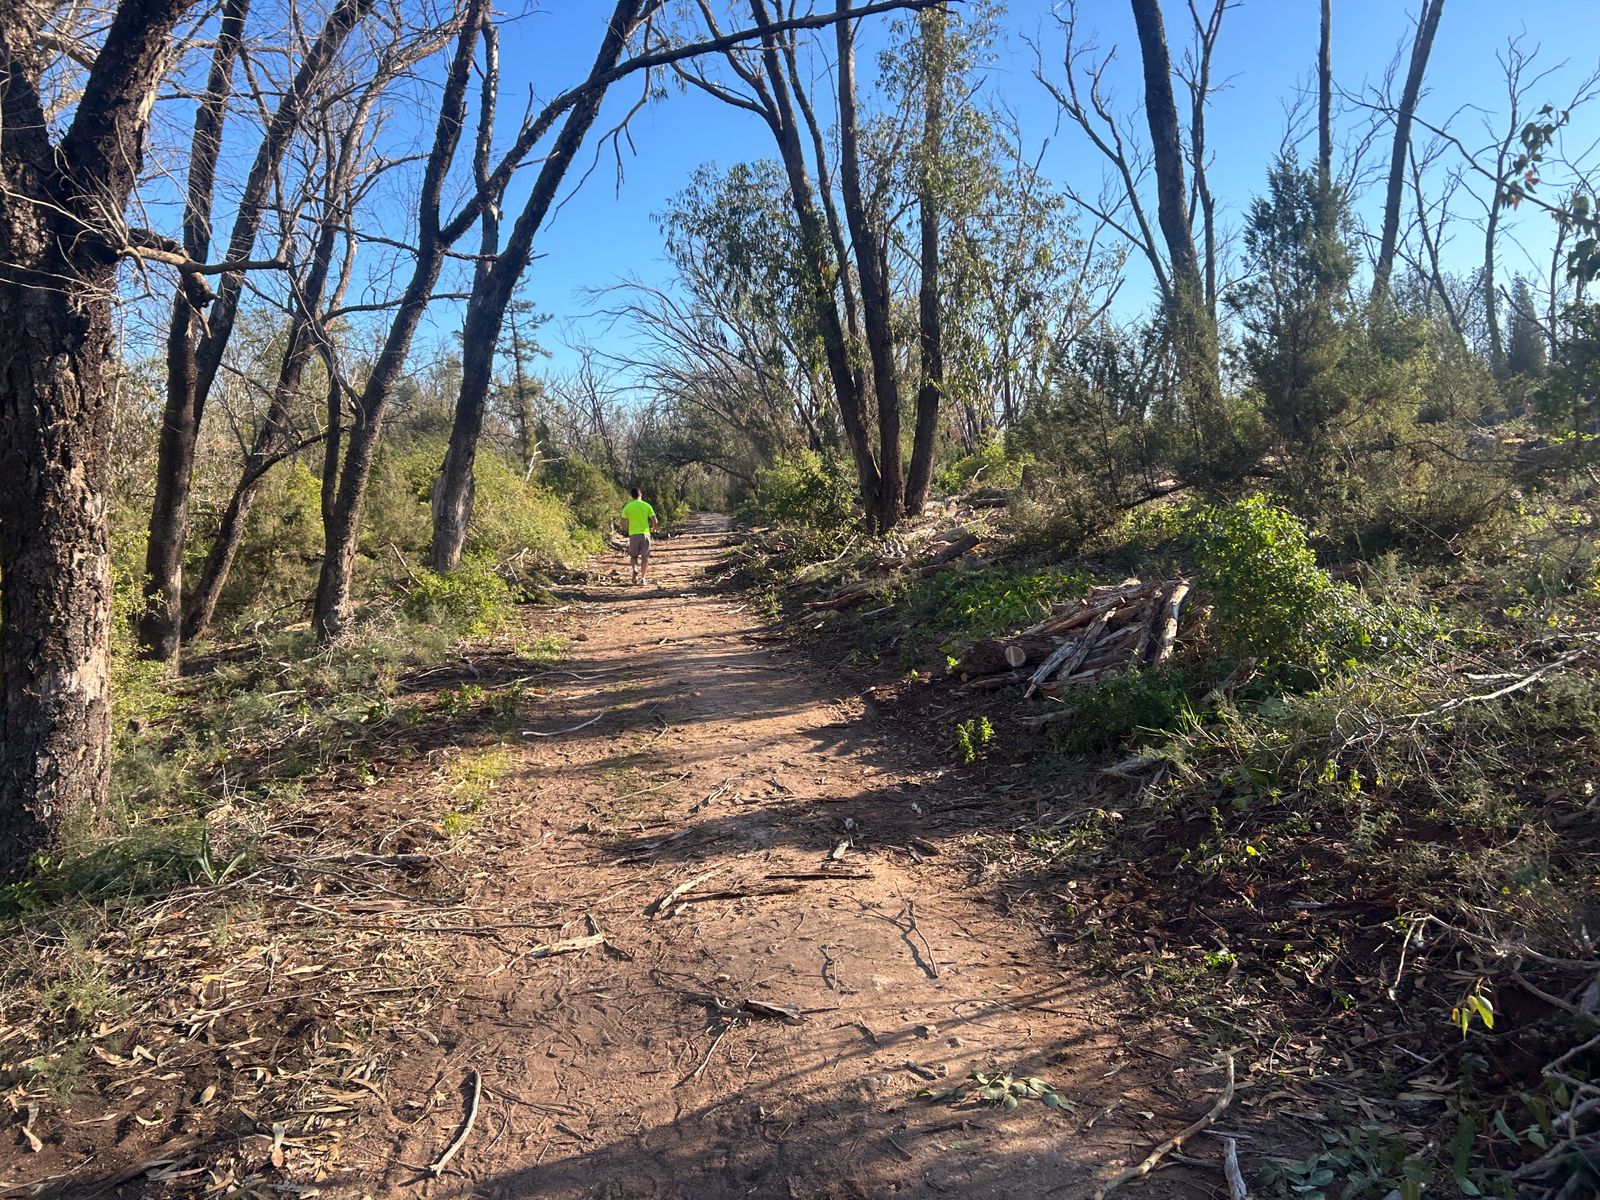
{"x":1356,"y":811}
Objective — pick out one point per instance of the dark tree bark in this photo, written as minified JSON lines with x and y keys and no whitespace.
{"x":192,"y":364}
{"x":873,"y":274}
{"x":61,"y":207}
{"x":1421,"y":47}
{"x":158,"y":626}
{"x":930,"y":390}
{"x":1192,"y":328}
{"x":495,"y":283}
{"x":1325,"y":102}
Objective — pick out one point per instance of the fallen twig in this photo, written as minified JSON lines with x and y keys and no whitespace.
{"x":1172,"y":1143}
{"x":571,"y":729}
{"x":1230,"y":1168}
{"x":438,"y":1165}
{"x":659,"y":906}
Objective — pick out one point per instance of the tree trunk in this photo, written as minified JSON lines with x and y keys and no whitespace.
{"x":163,"y":582}
{"x":493,"y":288}
{"x":872,"y":270}
{"x":1421,"y":47}
{"x":930,"y":334}
{"x":819,"y":270}
{"x":193,"y":366}
{"x":59,"y":205}
{"x":1192,"y":328}
{"x":342,"y":511}
{"x":1325,"y":102}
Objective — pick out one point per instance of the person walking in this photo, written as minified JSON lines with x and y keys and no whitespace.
{"x":640,"y":520}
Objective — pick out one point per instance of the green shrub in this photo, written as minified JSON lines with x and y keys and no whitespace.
{"x":472,"y":599}
{"x":992,"y":464}
{"x":1059,"y":517}
{"x":973,"y":737}
{"x":1106,"y":714}
{"x":961,"y":606}
{"x":594,"y":498}
{"x":809,"y":492}
{"x":1273,"y":603}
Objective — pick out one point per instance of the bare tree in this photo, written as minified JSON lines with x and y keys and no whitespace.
{"x":339,"y":132}
{"x":496,"y":279}
{"x":62,"y":232}
{"x":1193,"y":330}
{"x":193,"y":359}
{"x":930,"y":334}
{"x":1404,"y":114}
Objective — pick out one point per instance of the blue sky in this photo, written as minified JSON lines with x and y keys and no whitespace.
{"x":1266,"y":53}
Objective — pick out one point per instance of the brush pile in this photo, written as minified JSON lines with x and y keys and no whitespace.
{"x":1112,"y":630}
{"x":940,"y":551}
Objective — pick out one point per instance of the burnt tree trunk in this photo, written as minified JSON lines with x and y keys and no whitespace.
{"x":1421,"y":47}
{"x":59,"y":208}
{"x":158,"y":624}
{"x":930,"y":390}
{"x":1193,"y":330}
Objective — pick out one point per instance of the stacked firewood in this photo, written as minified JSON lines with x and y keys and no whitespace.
{"x":1112,"y":630}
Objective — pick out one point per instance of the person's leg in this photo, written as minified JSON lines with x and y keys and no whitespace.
{"x":644,"y":562}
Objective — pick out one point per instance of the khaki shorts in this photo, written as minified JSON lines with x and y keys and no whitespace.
{"x":639,"y":547}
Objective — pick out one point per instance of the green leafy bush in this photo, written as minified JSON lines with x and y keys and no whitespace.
{"x":1105,"y":714}
{"x":593,"y":497}
{"x":472,"y":599}
{"x":1273,"y":603}
{"x":992,"y":464}
{"x":983,"y":602}
{"x":809,"y":492}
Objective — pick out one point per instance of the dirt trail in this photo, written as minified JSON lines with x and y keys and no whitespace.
{"x":719,"y":762}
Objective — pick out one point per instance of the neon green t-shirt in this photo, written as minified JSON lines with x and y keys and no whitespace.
{"x":637,"y":514}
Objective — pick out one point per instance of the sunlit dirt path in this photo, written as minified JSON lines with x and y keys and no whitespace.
{"x":765,"y":1032}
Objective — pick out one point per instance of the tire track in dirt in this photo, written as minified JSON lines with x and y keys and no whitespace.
{"x":699,"y":755}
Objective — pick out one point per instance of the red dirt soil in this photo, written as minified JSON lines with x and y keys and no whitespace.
{"x":627,"y":1069}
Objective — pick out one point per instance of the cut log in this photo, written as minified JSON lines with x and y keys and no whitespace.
{"x":948,"y":554}
{"x":845,"y":599}
{"x":1170,"y":616}
{"x":1081,"y":613}
{"x":993,"y":655}
{"x":1048,"y":668}
{"x":992,"y":683}
{"x":1147,"y":629}
{"x":1074,"y":657}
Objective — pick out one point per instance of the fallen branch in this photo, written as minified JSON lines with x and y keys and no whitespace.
{"x":1237,"y":1190}
{"x":572,"y":729}
{"x":1172,"y":1143}
{"x":659,"y":906}
{"x":567,"y":947}
{"x":437,"y":1166}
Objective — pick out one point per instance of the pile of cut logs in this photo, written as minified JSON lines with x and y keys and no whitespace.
{"x":1112,"y":630}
